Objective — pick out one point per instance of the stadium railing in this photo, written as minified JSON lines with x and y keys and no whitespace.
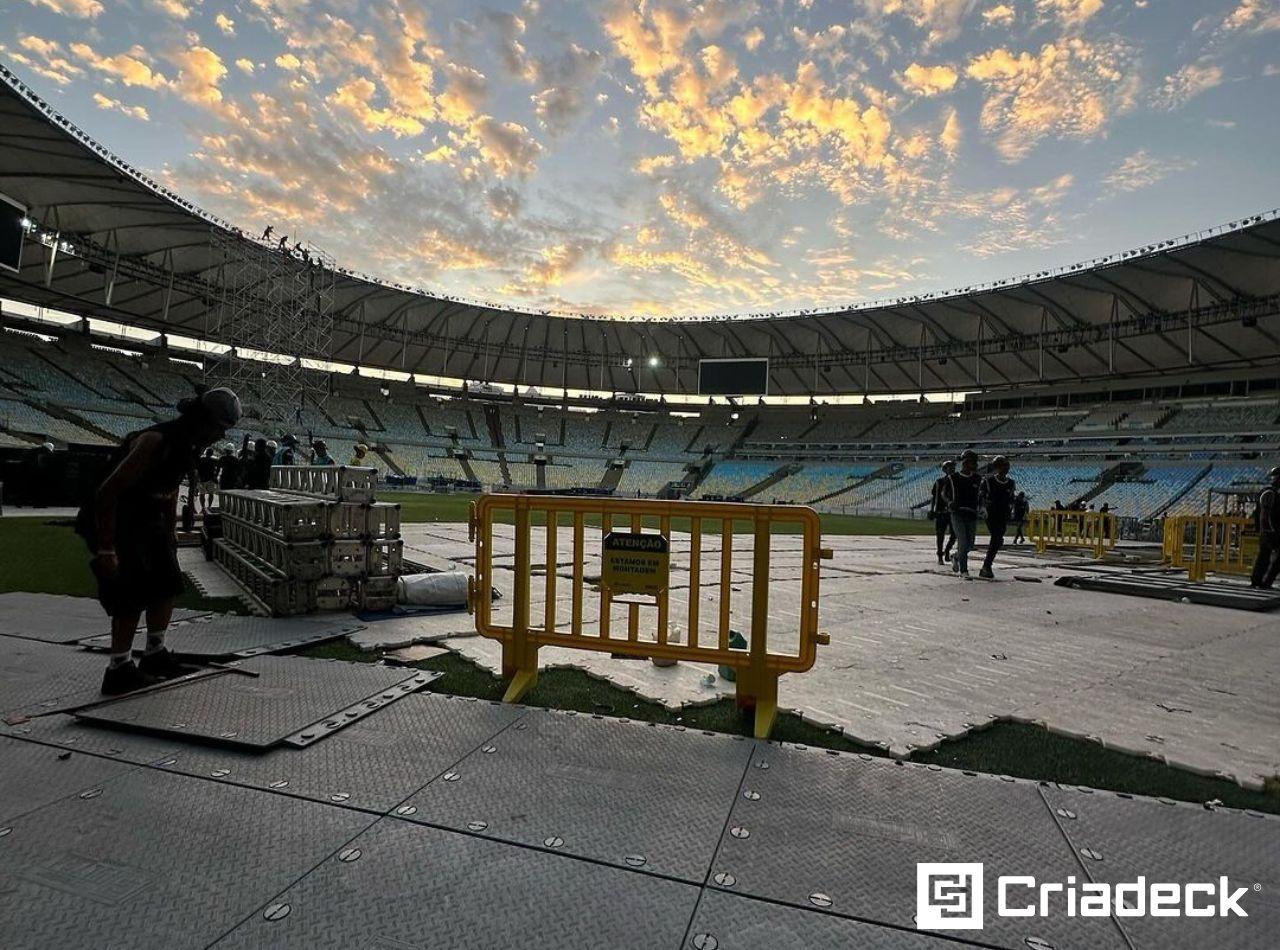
{"x":756,"y":662}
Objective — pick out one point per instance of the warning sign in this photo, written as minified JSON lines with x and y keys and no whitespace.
{"x":635,"y":563}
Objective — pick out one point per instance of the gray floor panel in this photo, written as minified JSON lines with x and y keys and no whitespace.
{"x":373,"y":764}
{"x":740,"y":923}
{"x":291,"y":694}
{"x":32,"y":776}
{"x":1125,"y":838}
{"x":36,"y":676}
{"x":67,"y":732}
{"x":223,"y":637}
{"x":56,"y":618}
{"x":157,"y":861}
{"x":415,"y":887}
{"x":628,"y":793}
{"x":845,"y":833}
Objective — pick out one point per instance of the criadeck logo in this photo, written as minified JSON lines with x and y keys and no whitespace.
{"x":949,"y":897}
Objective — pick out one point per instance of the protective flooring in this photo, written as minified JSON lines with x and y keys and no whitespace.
{"x":446,"y":823}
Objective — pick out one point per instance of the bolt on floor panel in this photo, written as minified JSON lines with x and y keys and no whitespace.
{"x":730,"y":922}
{"x":1120,"y":839}
{"x":627,"y":793}
{"x":157,"y":861}
{"x":373,"y":764}
{"x":400,"y":885}
{"x":227,"y":637}
{"x":293,"y":698}
{"x":68,"y":733}
{"x":57,"y":618}
{"x":32,"y":776}
{"x":844,"y":833}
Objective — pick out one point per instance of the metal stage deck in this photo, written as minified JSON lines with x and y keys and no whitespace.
{"x":446,"y":823}
{"x":1238,"y":596}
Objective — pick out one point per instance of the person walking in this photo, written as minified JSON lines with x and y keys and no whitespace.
{"x":939,"y":514}
{"x":998,"y":495}
{"x":961,"y":496}
{"x":228,"y":469}
{"x":1266,"y":567}
{"x":1021,"y":508}
{"x":207,"y":473}
{"x":129,"y":524}
{"x":256,"y":469}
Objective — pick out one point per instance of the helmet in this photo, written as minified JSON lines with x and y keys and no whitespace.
{"x":999,"y":462}
{"x":968,"y":455}
{"x":949,"y":465}
{"x":1274,"y":473}
{"x":272,"y":444}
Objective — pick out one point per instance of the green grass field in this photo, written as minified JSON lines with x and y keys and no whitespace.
{"x":417,"y":507}
{"x":46,"y":556}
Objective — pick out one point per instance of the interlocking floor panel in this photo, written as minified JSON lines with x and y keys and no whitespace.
{"x":38,"y":676}
{"x":55,"y":618}
{"x":290,"y":694}
{"x":627,"y":793}
{"x":740,"y":923}
{"x":1163,"y":587}
{"x":67,"y":732}
{"x":410,"y":886}
{"x":373,"y":764}
{"x":1120,"y":839}
{"x":156,"y":861}
{"x":845,"y":833}
{"x":32,"y":776}
{"x":224,"y":637}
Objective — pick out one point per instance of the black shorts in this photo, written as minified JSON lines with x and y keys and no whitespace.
{"x":148,"y":574}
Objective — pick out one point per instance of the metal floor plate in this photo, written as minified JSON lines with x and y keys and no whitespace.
{"x":844,"y":833}
{"x":227,"y":637}
{"x":632,"y":794}
{"x":38,"y":676}
{"x":400,"y":886}
{"x":55,"y":618}
{"x":1122,"y":838}
{"x":294,"y":699}
{"x":1161,"y":587}
{"x":32,"y":776}
{"x":730,"y":922}
{"x":68,"y":733}
{"x":157,"y":861}
{"x":373,"y":764}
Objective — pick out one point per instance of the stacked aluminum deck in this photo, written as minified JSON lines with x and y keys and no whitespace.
{"x":316,"y":540}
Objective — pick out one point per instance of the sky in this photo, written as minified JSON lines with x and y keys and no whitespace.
{"x":667,"y":158}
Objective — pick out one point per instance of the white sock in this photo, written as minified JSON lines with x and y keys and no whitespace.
{"x":119,"y":659}
{"x":155,"y":641}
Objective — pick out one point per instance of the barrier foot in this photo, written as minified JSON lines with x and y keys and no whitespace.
{"x":521,"y":683}
{"x":766,"y":713}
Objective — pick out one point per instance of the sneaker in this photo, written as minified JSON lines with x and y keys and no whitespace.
{"x":966,"y":576}
{"x":939,"y":560}
{"x":946,"y":555}
{"x":986,"y":573}
{"x":125,"y":678}
{"x":955,"y":567}
{"x":161,"y":664}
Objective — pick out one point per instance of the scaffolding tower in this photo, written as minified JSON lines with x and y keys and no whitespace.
{"x":273,"y":309}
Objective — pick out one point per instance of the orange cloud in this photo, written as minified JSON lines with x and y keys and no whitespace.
{"x":81,"y":9}
{"x":928,"y":80}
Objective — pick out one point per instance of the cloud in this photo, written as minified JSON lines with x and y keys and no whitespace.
{"x":81,"y":9}
{"x":51,"y":63}
{"x":951,"y":134}
{"x":178,"y":9}
{"x":1069,"y":89}
{"x":1254,"y":16}
{"x":928,"y":80}
{"x":245,"y":66}
{"x":1000,"y":15}
{"x":507,"y":147}
{"x":1140,"y":170}
{"x":288,"y":61}
{"x":564,"y":83}
{"x":1187,"y":83}
{"x":200,"y":70}
{"x":129,"y":68}
{"x":225,"y":24}
{"x":753,"y":38}
{"x":1070,"y":12}
{"x":135,"y":112}
{"x":941,"y":20}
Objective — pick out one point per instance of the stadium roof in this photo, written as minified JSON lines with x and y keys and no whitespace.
{"x":141,"y":255}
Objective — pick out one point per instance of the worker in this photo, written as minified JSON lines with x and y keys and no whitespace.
{"x":998,"y":492}
{"x":320,"y":453}
{"x":129,"y":524}
{"x":286,"y":453}
{"x":255,"y":471}
{"x":940,"y":516}
{"x":1266,"y":567}
{"x":1021,"y":508}
{"x":359,"y":455}
{"x":961,"y":496}
{"x":228,"y":468}
{"x":207,"y":474}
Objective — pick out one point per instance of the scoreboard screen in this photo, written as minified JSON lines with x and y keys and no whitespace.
{"x":11,"y":234}
{"x":741,"y":377}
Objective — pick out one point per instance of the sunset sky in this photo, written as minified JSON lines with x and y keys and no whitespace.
{"x":639,"y":158}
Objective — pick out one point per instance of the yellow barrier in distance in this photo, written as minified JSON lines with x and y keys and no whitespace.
{"x":1094,"y":531}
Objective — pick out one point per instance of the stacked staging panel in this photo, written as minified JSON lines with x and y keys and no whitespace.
{"x":316,"y":540}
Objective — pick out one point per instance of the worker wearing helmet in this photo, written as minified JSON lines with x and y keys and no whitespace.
{"x":961,"y":496}
{"x":999,"y":494}
{"x":939,"y":515}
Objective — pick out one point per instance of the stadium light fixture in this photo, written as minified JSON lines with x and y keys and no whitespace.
{"x":654,"y":362}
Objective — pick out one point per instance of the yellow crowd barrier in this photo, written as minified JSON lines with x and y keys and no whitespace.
{"x":636,"y":569}
{"x":1210,"y":544}
{"x":1095,"y":531}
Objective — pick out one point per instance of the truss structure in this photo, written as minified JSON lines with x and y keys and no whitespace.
{"x":274,"y":310}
